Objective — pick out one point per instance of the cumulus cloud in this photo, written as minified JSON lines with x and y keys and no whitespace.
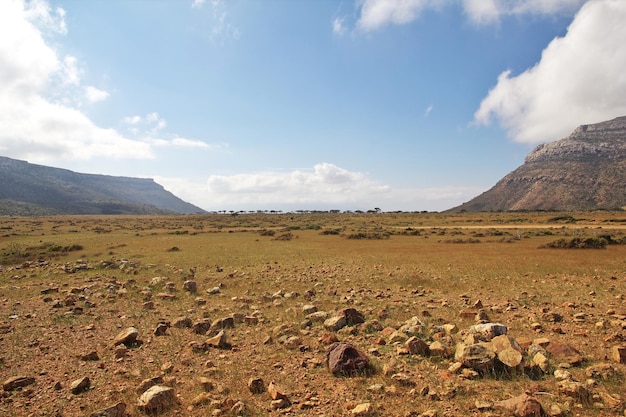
{"x":579,"y":79}
{"x":375,"y":14}
{"x":36,"y":123}
{"x":325,"y":186}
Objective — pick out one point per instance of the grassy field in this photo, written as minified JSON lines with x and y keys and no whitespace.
{"x":69,"y":285}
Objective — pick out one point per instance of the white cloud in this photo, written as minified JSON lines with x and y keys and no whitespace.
{"x":33,"y":125}
{"x":375,"y":14}
{"x":338,"y":26}
{"x":196,"y":4}
{"x":93,"y":94}
{"x":579,"y":79}
{"x":324,"y":187}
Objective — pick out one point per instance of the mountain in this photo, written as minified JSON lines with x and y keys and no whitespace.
{"x":584,"y":171}
{"x":29,"y":189}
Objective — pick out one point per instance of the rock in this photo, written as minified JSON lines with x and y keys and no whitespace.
{"x":182,"y":322}
{"x":16,"y":382}
{"x":603,"y":371}
{"x":363,"y":409}
{"x":309,"y":309}
{"x":276,"y":392}
{"x":512,"y":358}
{"x":201,"y":327}
{"x":80,"y":385}
{"x":206,"y":383}
{"x":223,"y":323}
{"x":352,"y":316}
{"x":438,"y":349}
{"x":190,"y":286}
{"x":343,"y":358}
{"x":618,"y":354}
{"x":148,"y":383}
{"x":91,"y":356}
{"x":280,"y":404}
{"x":318,"y":316}
{"x":540,"y":361}
{"x":487,"y":331}
{"x":161,"y":329}
{"x":562,"y":352}
{"x":202,"y":398}
{"x":218,"y":341}
{"x":116,"y":410}
{"x":397,"y":337}
{"x":417,"y":346}
{"x":157,"y":398}
{"x":521,"y":406}
{"x":336,"y":323}
{"x":477,"y":357}
{"x":127,"y":337}
{"x":575,"y":390}
{"x":256,"y":385}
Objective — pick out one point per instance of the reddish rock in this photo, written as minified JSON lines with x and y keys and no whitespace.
{"x":562,"y":352}
{"x":343,"y":358}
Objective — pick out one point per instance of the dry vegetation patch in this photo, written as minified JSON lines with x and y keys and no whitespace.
{"x":239,"y":319}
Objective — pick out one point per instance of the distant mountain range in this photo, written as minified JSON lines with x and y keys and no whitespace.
{"x":584,"y":171}
{"x":33,"y":190}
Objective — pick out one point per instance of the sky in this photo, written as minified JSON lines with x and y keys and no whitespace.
{"x":411,"y":105}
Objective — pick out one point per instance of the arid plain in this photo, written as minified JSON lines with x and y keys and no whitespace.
{"x":234,"y":314}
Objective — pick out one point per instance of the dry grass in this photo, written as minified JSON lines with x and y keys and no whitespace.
{"x":416,"y":270}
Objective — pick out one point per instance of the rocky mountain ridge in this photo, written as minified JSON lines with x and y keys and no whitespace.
{"x":30,"y":189}
{"x":584,"y":171}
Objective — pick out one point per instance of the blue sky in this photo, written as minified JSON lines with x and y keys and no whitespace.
{"x":305,"y":104}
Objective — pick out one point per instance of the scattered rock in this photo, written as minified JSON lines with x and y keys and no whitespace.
{"x":127,"y":337}
{"x":276,"y":392}
{"x":522,"y":406}
{"x":157,"y":398}
{"x":487,"y":331}
{"x":562,"y":352}
{"x":618,"y":354}
{"x":363,"y":409}
{"x":256,"y":385}
{"x":476,"y":356}
{"x":116,"y":410}
{"x":336,"y":323}
{"x":343,"y":358}
{"x":16,"y":382}
{"x":80,"y":385}
{"x":190,"y":286}
{"x":218,"y":341}
{"x":91,"y":356}
{"x":417,"y":346}
{"x":146,"y":384}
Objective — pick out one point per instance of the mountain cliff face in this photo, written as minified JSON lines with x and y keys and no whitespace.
{"x":584,"y":171}
{"x":29,"y":189}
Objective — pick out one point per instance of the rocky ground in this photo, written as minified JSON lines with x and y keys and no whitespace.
{"x":125,"y":338}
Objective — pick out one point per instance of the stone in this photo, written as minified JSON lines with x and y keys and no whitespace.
{"x":344,"y":359}
{"x":80,"y":385}
{"x":223,"y":323}
{"x":202,"y":398}
{"x":417,"y":346}
{"x":16,"y":382}
{"x":91,"y":356}
{"x":562,"y":352}
{"x":603,"y":371}
{"x":148,"y":383}
{"x":352,"y":316}
{"x":487,"y":331}
{"x":201,"y":327}
{"x":540,"y":361}
{"x":116,"y":410}
{"x":190,"y":286}
{"x":575,"y":390}
{"x":618,"y":354}
{"x":276,"y":392}
{"x":477,"y":357}
{"x":309,"y":309}
{"x":157,"y":398}
{"x":363,"y":409}
{"x":206,"y":383}
{"x":256,"y":385}
{"x":280,"y":404}
{"x":161,"y":329}
{"x":218,"y":341}
{"x":512,"y":358}
{"x":336,"y":323}
{"x":521,"y":406}
{"x":438,"y":349}
{"x":182,"y":322}
{"x":127,"y":337}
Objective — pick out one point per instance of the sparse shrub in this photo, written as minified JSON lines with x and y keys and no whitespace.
{"x":468,"y":240}
{"x":371,"y":235}
{"x":267,"y":232}
{"x":330,"y":232}
{"x":577,"y":243}
{"x":285,"y":236}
